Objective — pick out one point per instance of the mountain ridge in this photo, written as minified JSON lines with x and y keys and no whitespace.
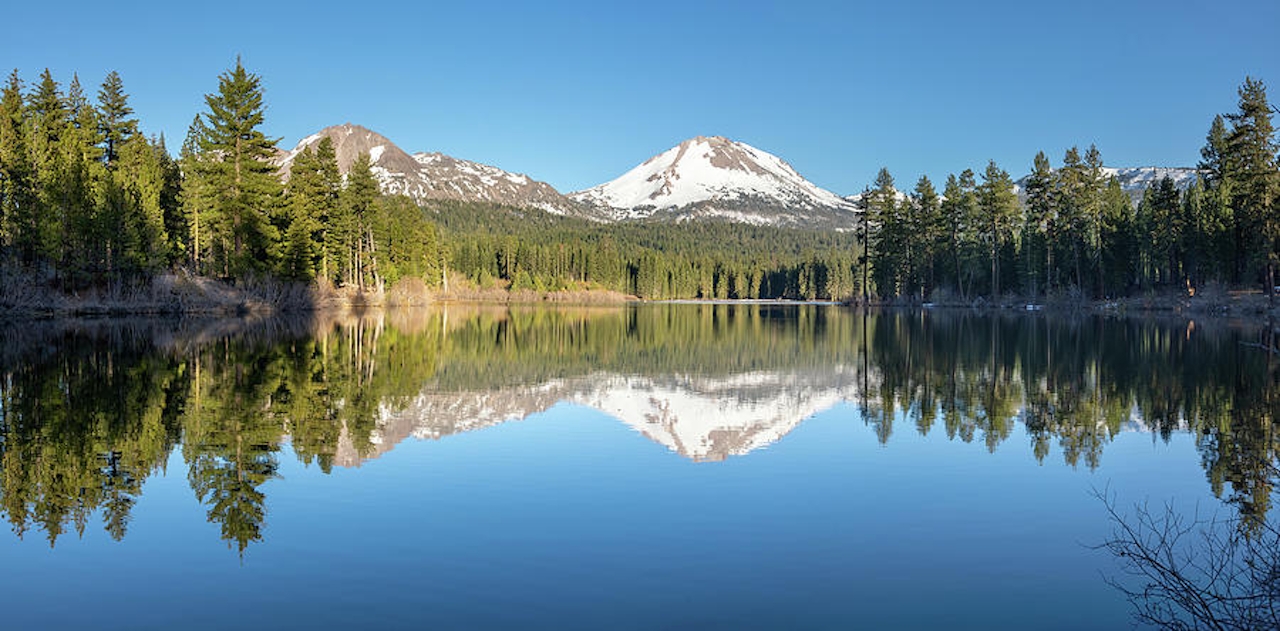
{"x":701,"y":178}
{"x":426,"y":177}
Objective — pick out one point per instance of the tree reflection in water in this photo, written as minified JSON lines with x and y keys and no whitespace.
{"x":90,"y":410}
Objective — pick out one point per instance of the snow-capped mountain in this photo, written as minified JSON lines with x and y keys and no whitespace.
{"x":714,"y":177}
{"x":435,"y":176}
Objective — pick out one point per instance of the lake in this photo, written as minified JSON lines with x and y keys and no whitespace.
{"x":648,"y":466}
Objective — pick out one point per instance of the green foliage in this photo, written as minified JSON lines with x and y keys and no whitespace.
{"x":81,"y":191}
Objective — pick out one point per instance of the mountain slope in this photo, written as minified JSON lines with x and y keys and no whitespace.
{"x":714,"y":177}
{"x":435,"y":176}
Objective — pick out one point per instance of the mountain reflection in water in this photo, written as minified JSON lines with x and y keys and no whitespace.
{"x":89,"y":410}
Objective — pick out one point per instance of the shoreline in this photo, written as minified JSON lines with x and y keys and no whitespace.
{"x":182,"y":295}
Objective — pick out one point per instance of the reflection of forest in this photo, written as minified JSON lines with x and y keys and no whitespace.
{"x":89,"y":410}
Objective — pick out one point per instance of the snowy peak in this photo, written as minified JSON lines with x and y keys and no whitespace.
{"x":712,"y":176}
{"x":434,"y":176}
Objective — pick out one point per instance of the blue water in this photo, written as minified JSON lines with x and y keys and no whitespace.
{"x":568,"y":519}
{"x":564,"y":516}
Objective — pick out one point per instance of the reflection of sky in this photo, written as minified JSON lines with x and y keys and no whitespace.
{"x":569,"y":519}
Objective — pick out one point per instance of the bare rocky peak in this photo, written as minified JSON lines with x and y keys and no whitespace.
{"x":349,"y":141}
{"x":435,"y":176}
{"x":725,"y":154}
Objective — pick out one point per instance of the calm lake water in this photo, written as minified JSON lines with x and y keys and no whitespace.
{"x":658,"y":466}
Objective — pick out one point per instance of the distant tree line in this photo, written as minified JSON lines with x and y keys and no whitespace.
{"x":1076,"y":230}
{"x":709,"y":260}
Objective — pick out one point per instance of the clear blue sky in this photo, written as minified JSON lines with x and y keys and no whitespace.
{"x":576,"y":93}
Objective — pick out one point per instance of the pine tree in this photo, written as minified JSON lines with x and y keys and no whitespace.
{"x":47,"y":119}
{"x":1092,"y":208}
{"x":952,"y":208}
{"x":967,"y":223}
{"x":864,"y":242}
{"x":1038,"y":233}
{"x":195,"y":196}
{"x":307,"y":196}
{"x":1251,"y":163}
{"x":887,"y":247}
{"x":83,"y":180}
{"x":1118,"y":250}
{"x":17,"y":186}
{"x":1160,"y":232}
{"x":141,"y":178}
{"x":328,"y":211}
{"x":1073,"y":191}
{"x":116,"y":125}
{"x":999,"y":207}
{"x":243,"y":186}
{"x":175,"y":222}
{"x":930,"y":232}
{"x":1226,"y":256}
{"x":358,"y":198}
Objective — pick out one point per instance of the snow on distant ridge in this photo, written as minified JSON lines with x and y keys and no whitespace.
{"x":1136,"y":180}
{"x":1139,"y":178}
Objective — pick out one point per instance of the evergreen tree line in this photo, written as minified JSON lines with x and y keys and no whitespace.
{"x":1076,"y":231}
{"x":82,"y":192}
{"x":86,"y":198}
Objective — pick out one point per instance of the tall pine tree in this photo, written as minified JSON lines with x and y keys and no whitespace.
{"x":1252,"y":166}
{"x":116,"y":125}
{"x":243,"y":189}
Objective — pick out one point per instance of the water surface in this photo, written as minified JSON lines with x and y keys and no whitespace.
{"x":662,"y":466}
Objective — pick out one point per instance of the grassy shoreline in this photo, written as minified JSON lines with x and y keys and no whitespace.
{"x":179,"y":294}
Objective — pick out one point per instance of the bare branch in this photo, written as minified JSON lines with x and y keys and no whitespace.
{"x":1181,"y":572}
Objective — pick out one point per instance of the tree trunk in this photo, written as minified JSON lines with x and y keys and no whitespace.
{"x":1271,"y":284}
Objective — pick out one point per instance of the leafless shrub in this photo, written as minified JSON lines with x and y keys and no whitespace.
{"x":1181,"y":572}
